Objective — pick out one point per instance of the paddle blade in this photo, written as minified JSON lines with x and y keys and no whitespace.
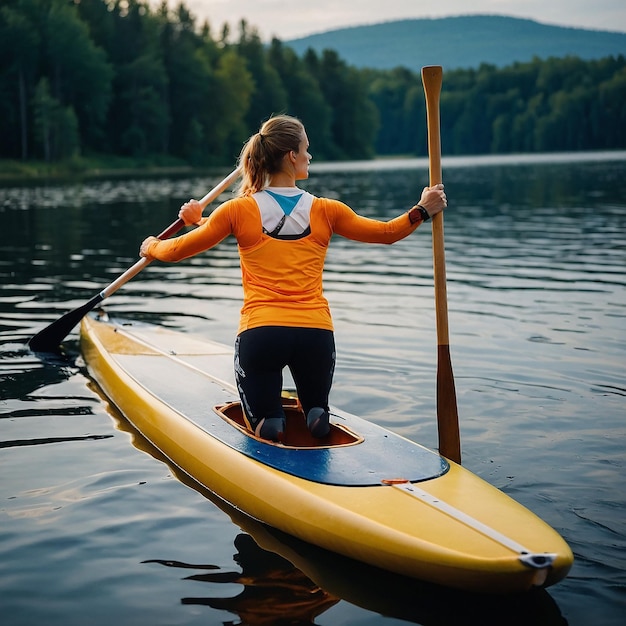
{"x":447,"y":413}
{"x":49,"y":339}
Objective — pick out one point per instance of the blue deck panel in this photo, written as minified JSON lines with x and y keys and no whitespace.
{"x":382,"y":455}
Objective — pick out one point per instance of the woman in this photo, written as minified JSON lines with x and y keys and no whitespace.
{"x":283,"y":233}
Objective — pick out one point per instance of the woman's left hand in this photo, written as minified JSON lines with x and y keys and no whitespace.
{"x":434,"y":199}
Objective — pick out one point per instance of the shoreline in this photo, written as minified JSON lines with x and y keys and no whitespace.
{"x":94,"y":167}
{"x":15,"y":172}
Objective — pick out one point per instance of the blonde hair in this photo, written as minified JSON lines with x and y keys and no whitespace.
{"x":263,"y":153}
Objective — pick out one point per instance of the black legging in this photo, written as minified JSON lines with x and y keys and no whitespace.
{"x":262,"y":353}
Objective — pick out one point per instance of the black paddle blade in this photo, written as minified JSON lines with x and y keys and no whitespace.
{"x":49,"y":339}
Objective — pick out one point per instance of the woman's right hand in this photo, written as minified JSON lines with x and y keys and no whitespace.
{"x":145,"y":244}
{"x":190,"y":212}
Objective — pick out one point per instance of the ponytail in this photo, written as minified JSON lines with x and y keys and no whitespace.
{"x":262,"y":154}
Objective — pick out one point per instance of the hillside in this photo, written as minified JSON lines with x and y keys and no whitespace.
{"x":460,"y":42}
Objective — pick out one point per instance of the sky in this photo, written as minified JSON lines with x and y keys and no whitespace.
{"x":289,"y":19}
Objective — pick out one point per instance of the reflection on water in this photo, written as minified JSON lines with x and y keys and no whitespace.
{"x":535,"y":258}
{"x":274,"y":591}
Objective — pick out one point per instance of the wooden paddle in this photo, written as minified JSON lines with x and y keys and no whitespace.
{"x":49,"y":339}
{"x":447,"y":415}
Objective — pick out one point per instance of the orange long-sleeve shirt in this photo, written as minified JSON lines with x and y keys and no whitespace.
{"x":282,"y":279}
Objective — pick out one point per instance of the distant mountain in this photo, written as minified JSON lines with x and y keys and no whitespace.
{"x":460,"y":42}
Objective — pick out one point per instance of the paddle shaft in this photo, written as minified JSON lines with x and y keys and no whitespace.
{"x":447,"y":415}
{"x":171,"y":230}
{"x":48,"y":339}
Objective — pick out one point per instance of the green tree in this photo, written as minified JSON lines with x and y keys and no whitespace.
{"x":399,"y":99}
{"x":139,"y":120}
{"x":416,"y":131}
{"x":144,"y":118}
{"x":189,"y":59}
{"x":305,"y":99}
{"x":56,"y":126}
{"x":19,"y":54}
{"x":269,"y":94}
{"x":355,"y":118}
{"x":609,"y":113}
{"x":79,"y":73}
{"x":234,"y":91}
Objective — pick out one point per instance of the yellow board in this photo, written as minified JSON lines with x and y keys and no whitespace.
{"x":451,"y":528}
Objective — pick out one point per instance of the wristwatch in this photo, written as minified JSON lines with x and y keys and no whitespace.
{"x":418,"y":210}
{"x":423,"y":213}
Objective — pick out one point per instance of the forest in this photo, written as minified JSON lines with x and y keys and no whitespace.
{"x":128,"y":79}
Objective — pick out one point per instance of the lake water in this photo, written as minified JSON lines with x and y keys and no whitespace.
{"x":95,"y":528}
